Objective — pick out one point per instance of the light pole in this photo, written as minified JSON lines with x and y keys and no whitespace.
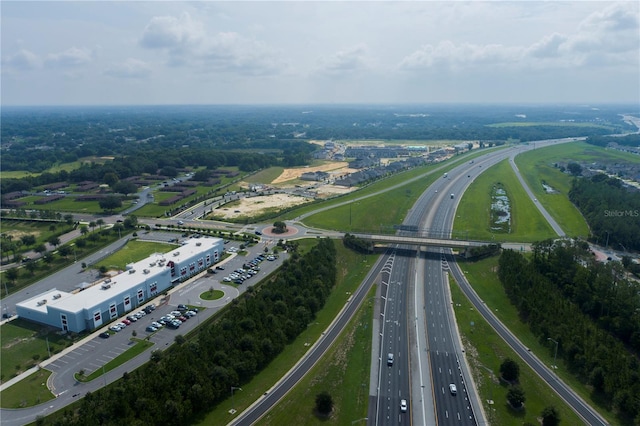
{"x":490,"y":400}
{"x":554,"y":366}
{"x":233,"y":404}
{"x":359,"y":420}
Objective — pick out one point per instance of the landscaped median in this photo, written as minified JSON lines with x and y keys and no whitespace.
{"x":140,"y":345}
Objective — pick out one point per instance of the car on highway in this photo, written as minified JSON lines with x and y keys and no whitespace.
{"x":403,"y":405}
{"x":390,"y":359}
{"x":453,"y":389}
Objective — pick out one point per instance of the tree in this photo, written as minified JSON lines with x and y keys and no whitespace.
{"x":12,"y":274}
{"x":31,"y":267}
{"x":110,"y":203}
{"x":64,"y":251}
{"x":510,"y":370}
{"x":40,"y":249}
{"x":110,"y":178}
{"x":279,"y":227}
{"x":92,"y":225}
{"x":574,"y":168}
{"x":131,"y":221}
{"x":324,"y":403}
{"x":100,"y":223}
{"x":28,"y":239}
{"x":54,"y":241}
{"x":550,"y":416}
{"x":68,"y":218}
{"x":125,"y":187}
{"x":516,"y":397}
{"x":84,"y":230}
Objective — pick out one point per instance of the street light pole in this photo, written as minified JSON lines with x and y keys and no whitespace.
{"x":554,"y":366}
{"x":233,"y":404}
{"x":490,"y":402}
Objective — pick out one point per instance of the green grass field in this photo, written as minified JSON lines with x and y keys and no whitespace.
{"x":537,"y":168}
{"x":134,"y":251}
{"x":366,"y":214}
{"x":28,"y":392}
{"x":267,"y":175}
{"x":352,"y":268}
{"x":473,"y":214}
{"x":24,"y":345}
{"x":40,"y":230}
{"x":483,"y":278}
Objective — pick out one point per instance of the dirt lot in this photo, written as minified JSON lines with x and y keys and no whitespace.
{"x":290,"y":174}
{"x":255,"y":205}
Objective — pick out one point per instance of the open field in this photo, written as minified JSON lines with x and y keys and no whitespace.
{"x":537,"y":168}
{"x":266,"y":176}
{"x":352,"y":268}
{"x":473,"y":214}
{"x":483,"y":277}
{"x":41,"y":230}
{"x":133,"y":251}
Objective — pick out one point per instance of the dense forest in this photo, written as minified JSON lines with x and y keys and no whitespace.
{"x":194,"y":375}
{"x":589,"y":308}
{"x":627,"y":140}
{"x":611,"y":210}
{"x":35,"y":139}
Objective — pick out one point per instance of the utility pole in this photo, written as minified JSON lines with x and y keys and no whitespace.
{"x":554,"y":366}
{"x":233,"y":403}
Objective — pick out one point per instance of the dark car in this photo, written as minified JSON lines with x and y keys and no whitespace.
{"x":182,"y":307}
{"x":220,"y":268}
{"x":105,"y":335}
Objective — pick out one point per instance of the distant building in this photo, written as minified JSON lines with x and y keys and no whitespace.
{"x":99,"y":304}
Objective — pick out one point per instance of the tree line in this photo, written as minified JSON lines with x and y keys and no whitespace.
{"x":195,"y":374}
{"x":589,"y":309}
{"x":165,"y":162}
{"x":611,"y":210}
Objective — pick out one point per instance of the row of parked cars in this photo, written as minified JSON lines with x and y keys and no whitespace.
{"x":248,"y":270}
{"x":130,"y":319}
{"x":173,"y":319}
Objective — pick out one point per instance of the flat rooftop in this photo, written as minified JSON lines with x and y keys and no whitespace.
{"x":142,"y":272}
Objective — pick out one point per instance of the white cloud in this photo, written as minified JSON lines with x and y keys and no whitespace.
{"x":188,"y":44}
{"x":130,"y":68}
{"x":23,"y":60}
{"x":345,"y":61}
{"x":168,"y":32}
{"x":71,"y":57}
{"x":605,"y":38}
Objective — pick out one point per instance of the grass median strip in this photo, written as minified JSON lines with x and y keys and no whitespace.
{"x":139,"y":346}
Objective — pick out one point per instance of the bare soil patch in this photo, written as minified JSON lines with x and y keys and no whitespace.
{"x":257,"y":205}
{"x":290,"y":174}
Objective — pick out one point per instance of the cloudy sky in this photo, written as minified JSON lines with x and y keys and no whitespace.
{"x":265,"y":52}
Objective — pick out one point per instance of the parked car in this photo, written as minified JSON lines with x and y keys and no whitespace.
{"x":105,"y":335}
{"x":156,"y":324}
{"x":126,"y":322}
{"x":182,"y":307}
{"x":115,"y":328}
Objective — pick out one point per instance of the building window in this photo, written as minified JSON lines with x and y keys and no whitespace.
{"x":215,"y":255}
{"x":113,"y":312}
{"x":192,"y":266}
{"x":63,"y":319}
{"x":97,"y":317}
{"x":183,"y":270}
{"x":153,"y":288}
{"x":140,"y":295}
{"x":208,"y":259}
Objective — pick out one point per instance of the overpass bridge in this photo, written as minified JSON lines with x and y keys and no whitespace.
{"x":422,"y":240}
